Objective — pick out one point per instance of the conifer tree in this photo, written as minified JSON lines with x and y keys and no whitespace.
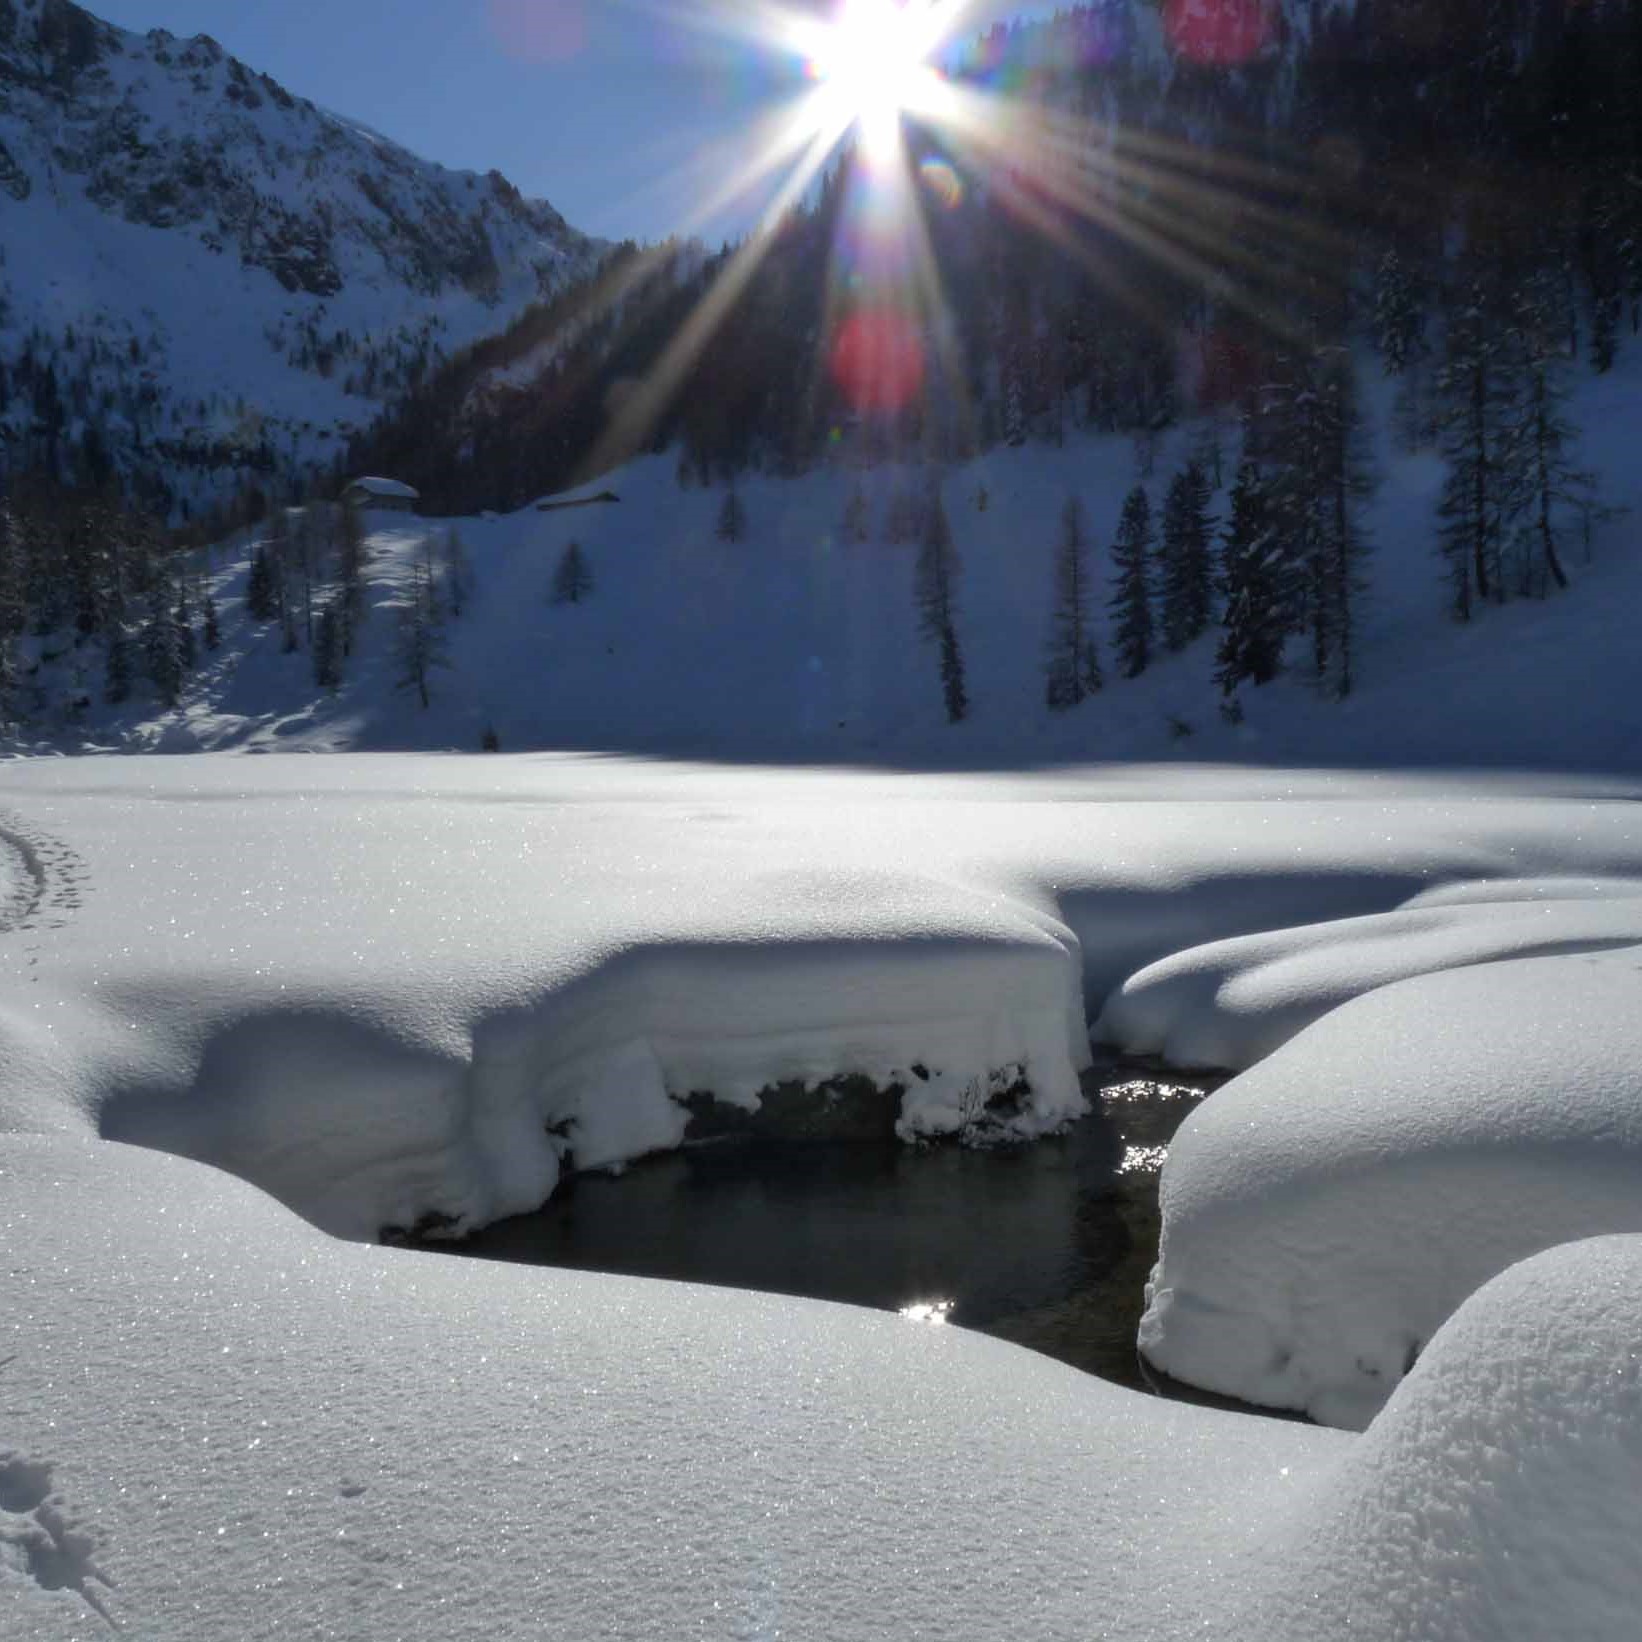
{"x":327,"y":652}
{"x":1186,"y":559}
{"x":262,"y":591}
{"x":935,"y":583}
{"x":732,"y":517}
{"x":1399,"y":315}
{"x":573,"y":580}
{"x":420,"y":647}
{"x":1547,"y":491}
{"x":1252,"y":629}
{"x":213,"y":627}
{"x":119,"y":669}
{"x":1131,"y":604}
{"x":162,"y":645}
{"x":1344,"y":481}
{"x":1073,"y":663}
{"x":1474,"y":506}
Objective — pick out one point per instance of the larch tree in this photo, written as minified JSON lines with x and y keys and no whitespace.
{"x":936,"y":590}
{"x":1474,"y":508}
{"x":420,"y":646}
{"x":732,"y":517}
{"x":1073,"y":663}
{"x":1548,"y":492}
{"x":573,"y":580}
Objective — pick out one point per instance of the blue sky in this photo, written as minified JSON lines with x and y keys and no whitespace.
{"x":616,"y":114}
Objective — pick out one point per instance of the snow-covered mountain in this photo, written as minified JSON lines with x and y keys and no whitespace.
{"x":207,"y":278}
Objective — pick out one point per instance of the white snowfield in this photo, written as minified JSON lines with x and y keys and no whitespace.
{"x":387,"y":988}
{"x":217,"y":1424}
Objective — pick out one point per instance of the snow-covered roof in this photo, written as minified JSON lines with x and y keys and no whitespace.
{"x":386,"y":487}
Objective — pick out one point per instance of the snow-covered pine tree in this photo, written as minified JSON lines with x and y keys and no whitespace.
{"x":1253,"y":571}
{"x":732,"y":517}
{"x":935,"y":586}
{"x":857,"y":516}
{"x":1073,"y":663}
{"x":573,"y":580}
{"x":1476,"y":406}
{"x":1186,"y":559}
{"x":1131,"y":604}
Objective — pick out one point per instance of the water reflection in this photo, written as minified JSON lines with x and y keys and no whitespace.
{"x":1048,"y":1245}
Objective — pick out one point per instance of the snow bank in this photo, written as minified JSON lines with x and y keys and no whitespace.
{"x":391,"y":990}
{"x":1231,"y":1003}
{"x":1499,"y":1495}
{"x":218,"y":1424}
{"x":1326,"y":1212}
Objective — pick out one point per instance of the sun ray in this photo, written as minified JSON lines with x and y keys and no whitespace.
{"x":633,"y":420}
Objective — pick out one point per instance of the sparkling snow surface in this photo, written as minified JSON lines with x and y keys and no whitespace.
{"x":1325,"y":1212}
{"x":382,"y":988}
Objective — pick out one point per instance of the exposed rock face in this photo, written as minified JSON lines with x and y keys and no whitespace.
{"x":305,"y":261}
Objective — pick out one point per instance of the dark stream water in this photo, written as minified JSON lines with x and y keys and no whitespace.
{"x":1048,"y":1245}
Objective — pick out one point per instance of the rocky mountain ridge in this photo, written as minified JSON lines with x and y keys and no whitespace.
{"x":186,"y":239}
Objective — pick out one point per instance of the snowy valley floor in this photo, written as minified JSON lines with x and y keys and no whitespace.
{"x":386,"y":989}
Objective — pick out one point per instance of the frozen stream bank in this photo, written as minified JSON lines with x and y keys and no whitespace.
{"x":381,"y":989}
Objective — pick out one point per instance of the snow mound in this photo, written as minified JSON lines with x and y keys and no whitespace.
{"x":1325,"y":1212}
{"x":1231,"y":1003}
{"x":412,"y":990}
{"x":252,"y":1431}
{"x":1499,"y":1494}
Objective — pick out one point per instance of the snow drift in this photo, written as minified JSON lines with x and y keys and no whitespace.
{"x":1328,"y":1210}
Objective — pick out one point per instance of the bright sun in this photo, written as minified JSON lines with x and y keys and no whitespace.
{"x":874,"y":61}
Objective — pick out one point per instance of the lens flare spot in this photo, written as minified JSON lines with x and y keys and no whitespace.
{"x":539,"y":31}
{"x":878,"y":361}
{"x":943,"y":182}
{"x":1218,"y":33}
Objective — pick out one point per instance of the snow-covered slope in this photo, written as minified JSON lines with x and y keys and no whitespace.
{"x":799,"y":642}
{"x":217,"y":275}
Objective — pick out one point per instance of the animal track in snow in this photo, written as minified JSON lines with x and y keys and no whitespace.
{"x":42,"y":880}
{"x":41,"y":1540}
